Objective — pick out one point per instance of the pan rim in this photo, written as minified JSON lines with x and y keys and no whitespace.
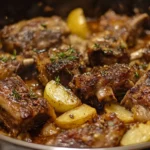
{"x":46,"y":147}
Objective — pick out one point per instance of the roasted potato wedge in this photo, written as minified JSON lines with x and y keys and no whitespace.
{"x":77,"y":23}
{"x":76,"y":116}
{"x":122,"y":113}
{"x":138,"y":134}
{"x":59,"y":97}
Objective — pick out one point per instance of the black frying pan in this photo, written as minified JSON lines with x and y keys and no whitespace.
{"x":15,"y":10}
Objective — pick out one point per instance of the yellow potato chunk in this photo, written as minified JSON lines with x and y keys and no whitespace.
{"x":138,"y":134}
{"x":59,"y":97}
{"x":76,"y":117}
{"x":77,"y":23}
{"x":122,"y":113}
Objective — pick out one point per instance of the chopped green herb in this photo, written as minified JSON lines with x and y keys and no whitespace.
{"x":14,"y":55}
{"x":57,"y":79}
{"x":137,"y":75}
{"x":68,"y":54}
{"x":71,"y":50}
{"x":103,"y":73}
{"x":14,"y":52}
{"x":68,"y":71}
{"x":44,"y":26}
{"x":96,"y":45}
{"x":52,"y":59}
{"x":16,"y":94}
{"x":123,"y":45}
{"x":61,"y":55}
{"x":144,"y":66}
{"x":71,"y":57}
{"x":32,"y":95}
{"x":4,"y":59}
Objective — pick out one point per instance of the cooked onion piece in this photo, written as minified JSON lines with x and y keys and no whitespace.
{"x":59,"y":97}
{"x":76,"y":117}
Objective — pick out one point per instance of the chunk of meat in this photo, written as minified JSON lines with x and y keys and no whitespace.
{"x":135,"y":28}
{"x":11,"y":64}
{"x":19,"y":110}
{"x":138,"y":98}
{"x":110,"y":20}
{"x":106,"y":131}
{"x":7,"y":69}
{"x":115,"y":34}
{"x":128,"y":28}
{"x":8,"y":65}
{"x":107,"y":45}
{"x":105,"y":82}
{"x":35,"y":34}
{"x":107,"y":49}
{"x":59,"y":62}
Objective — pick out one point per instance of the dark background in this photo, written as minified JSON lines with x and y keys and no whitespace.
{"x":15,"y":10}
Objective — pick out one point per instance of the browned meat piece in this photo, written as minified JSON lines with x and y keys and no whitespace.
{"x":60,"y":62}
{"x":105,"y":82}
{"x":21,"y":110}
{"x":107,"y":49}
{"x":35,"y":34}
{"x":41,"y":60}
{"x":10,"y":64}
{"x":7,"y":69}
{"x":105,"y":131}
{"x":135,"y":28}
{"x":128,"y":28}
{"x":146,"y":54}
{"x":110,"y":19}
{"x":138,"y":98}
{"x":115,"y":34}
